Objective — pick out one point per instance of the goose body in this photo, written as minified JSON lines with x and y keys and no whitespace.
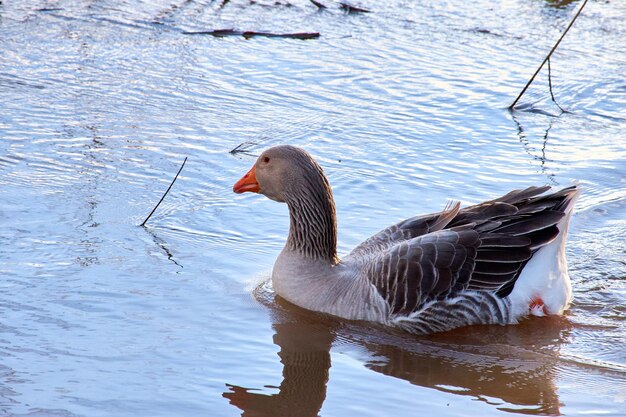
{"x":491,"y":263}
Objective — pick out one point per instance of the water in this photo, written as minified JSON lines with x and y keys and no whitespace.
{"x":404,"y":107}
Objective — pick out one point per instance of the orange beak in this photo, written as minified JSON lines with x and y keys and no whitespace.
{"x":247,"y":183}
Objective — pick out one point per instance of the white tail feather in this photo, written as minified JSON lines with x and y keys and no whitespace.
{"x":544,"y":286}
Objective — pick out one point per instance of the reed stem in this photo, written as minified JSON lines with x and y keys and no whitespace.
{"x":166,"y":191}
{"x":512,"y":106}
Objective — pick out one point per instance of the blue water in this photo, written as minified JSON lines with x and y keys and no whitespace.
{"x":404,"y":107}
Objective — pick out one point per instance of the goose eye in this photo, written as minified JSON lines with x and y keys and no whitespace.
{"x":266,"y":159}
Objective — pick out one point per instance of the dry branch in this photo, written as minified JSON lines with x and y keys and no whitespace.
{"x":318,"y":4}
{"x":352,"y":9}
{"x":166,"y":191}
{"x":251,"y":34}
{"x":512,"y":106}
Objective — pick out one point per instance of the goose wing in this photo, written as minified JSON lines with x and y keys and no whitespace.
{"x":483,"y":247}
{"x":442,"y":263}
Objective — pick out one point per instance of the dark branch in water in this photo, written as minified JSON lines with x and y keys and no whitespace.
{"x":251,"y":34}
{"x":242,"y":148}
{"x":352,"y":9}
{"x":318,"y":4}
{"x":276,"y":3}
{"x":167,"y":191}
{"x":512,"y":106}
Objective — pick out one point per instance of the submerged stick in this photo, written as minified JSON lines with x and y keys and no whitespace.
{"x":166,"y":191}
{"x":242,"y":148}
{"x":352,"y":9}
{"x":318,"y":4}
{"x":251,"y":34}
{"x":512,"y":106}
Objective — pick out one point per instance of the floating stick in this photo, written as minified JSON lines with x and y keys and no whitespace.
{"x":352,"y":9}
{"x":242,"y":148}
{"x":167,"y":191}
{"x":318,"y":4}
{"x":512,"y":106}
{"x":251,"y":34}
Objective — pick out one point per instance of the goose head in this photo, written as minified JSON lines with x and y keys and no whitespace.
{"x":281,"y":173}
{"x":290,"y":175}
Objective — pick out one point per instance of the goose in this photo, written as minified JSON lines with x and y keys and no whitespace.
{"x":491,"y":263}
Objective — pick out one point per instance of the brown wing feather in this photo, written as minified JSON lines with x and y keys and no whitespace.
{"x":423,"y":268}
{"x":482,"y":247}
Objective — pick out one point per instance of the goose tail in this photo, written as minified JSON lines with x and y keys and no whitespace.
{"x":543,"y":286}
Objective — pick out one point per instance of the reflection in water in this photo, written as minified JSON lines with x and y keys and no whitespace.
{"x":305,"y":355}
{"x":163,"y":246}
{"x":523,"y":137}
{"x":510,"y":367}
{"x":305,"y":343}
{"x":485,"y":362}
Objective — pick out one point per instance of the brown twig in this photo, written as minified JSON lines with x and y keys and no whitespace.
{"x":167,"y":191}
{"x":318,"y":4}
{"x":251,"y":34}
{"x":242,"y":148}
{"x":352,"y":9}
{"x":512,"y":106}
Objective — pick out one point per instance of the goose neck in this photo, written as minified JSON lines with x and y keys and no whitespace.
{"x":313,"y":225}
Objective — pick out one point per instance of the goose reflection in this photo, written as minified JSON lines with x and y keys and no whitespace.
{"x":305,"y":340}
{"x":510,"y":367}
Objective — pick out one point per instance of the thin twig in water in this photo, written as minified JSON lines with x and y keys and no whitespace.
{"x":251,"y":34}
{"x":242,"y":148}
{"x":318,"y":4}
{"x":166,"y":191}
{"x":512,"y":106}
{"x":352,"y":9}
{"x":550,"y":85}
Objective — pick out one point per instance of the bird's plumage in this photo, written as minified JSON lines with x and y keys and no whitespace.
{"x":427,"y":273}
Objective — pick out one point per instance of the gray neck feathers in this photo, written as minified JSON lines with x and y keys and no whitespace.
{"x":313,"y":228}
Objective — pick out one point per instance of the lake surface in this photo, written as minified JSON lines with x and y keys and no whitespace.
{"x":404,"y":107}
